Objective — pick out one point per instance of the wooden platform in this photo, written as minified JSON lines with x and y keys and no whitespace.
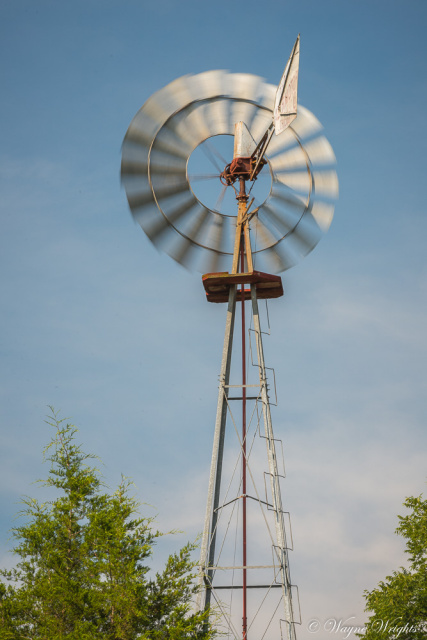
{"x":217,"y":285}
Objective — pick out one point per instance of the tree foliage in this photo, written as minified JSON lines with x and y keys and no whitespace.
{"x":399,"y":604}
{"x":82,"y":571}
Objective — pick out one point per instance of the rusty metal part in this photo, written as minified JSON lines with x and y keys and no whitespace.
{"x":247,"y":168}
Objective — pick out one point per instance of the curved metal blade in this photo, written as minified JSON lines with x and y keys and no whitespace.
{"x":282,"y":220}
{"x":323,"y":213}
{"x":267,"y":97}
{"x":299,"y":181}
{"x":320,"y":151}
{"x":281,"y":258}
{"x":165,"y":141}
{"x":243,"y":112}
{"x":214,"y":239}
{"x":209,"y":84}
{"x":156,"y":228}
{"x":244,"y":87}
{"x":167,"y":190}
{"x":259,"y":124}
{"x":174,"y":96}
{"x":317,"y":151}
{"x":306,"y":124}
{"x":279,"y":143}
{"x":326,"y":184}
{"x":132,"y":168}
{"x":293,"y":201}
{"x":306,"y":235}
{"x":181,"y":251}
{"x":204,"y":86}
{"x":278,"y":259}
{"x":217,"y":115}
{"x":168,"y":142}
{"x":140,"y":200}
{"x":142,"y":129}
{"x":293,"y":158}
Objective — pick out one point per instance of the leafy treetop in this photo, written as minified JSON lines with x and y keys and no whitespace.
{"x":83,"y":566}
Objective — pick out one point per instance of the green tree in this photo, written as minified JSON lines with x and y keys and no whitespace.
{"x":82,"y":572}
{"x":399,"y":604}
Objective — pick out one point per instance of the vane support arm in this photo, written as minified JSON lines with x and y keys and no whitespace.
{"x":258,"y":154}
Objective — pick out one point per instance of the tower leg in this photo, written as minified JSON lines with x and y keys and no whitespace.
{"x":207,"y":554}
{"x":281,"y":551}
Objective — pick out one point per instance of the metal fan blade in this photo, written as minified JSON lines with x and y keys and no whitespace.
{"x":259,"y":124}
{"x":245,"y":86}
{"x":281,"y":258}
{"x":204,"y":86}
{"x":217,"y":114}
{"x":242,"y":87}
{"x":142,"y":129}
{"x":298,"y":181}
{"x":156,"y":228}
{"x":267,"y":97}
{"x":323,"y":213}
{"x":140,"y":200}
{"x":317,"y":151}
{"x":278,"y":144}
{"x":210,"y":84}
{"x":214,"y":239}
{"x":264,"y":237}
{"x":132,"y":168}
{"x":306,"y":235}
{"x":278,"y":218}
{"x":182,"y":247}
{"x":243,"y":111}
{"x":174,"y":96}
{"x":320,"y":151}
{"x":293,"y":158}
{"x":166,"y":142}
{"x":305,"y":124}
{"x":292,"y":200}
{"x":326,"y":184}
{"x":136,"y":136}
{"x":276,"y":256}
{"x":187,"y":125}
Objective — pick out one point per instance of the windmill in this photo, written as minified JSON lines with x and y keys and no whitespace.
{"x":222,"y":169}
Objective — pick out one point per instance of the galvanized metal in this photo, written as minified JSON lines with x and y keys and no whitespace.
{"x":274,"y":475}
{"x":189,"y":112}
{"x":207,"y":553}
{"x":285,"y":106}
{"x":208,"y":562}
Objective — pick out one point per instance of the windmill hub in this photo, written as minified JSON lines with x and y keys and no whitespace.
{"x":205,"y":171}
{"x":241,"y":169}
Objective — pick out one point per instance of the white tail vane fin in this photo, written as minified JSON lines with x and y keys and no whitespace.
{"x":285,"y":106}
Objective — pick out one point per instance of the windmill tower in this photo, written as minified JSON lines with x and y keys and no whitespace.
{"x":222,"y":169}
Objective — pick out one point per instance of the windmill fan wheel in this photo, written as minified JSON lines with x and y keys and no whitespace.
{"x":174,"y":204}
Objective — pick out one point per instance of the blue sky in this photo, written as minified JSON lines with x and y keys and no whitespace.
{"x":115,"y":335}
